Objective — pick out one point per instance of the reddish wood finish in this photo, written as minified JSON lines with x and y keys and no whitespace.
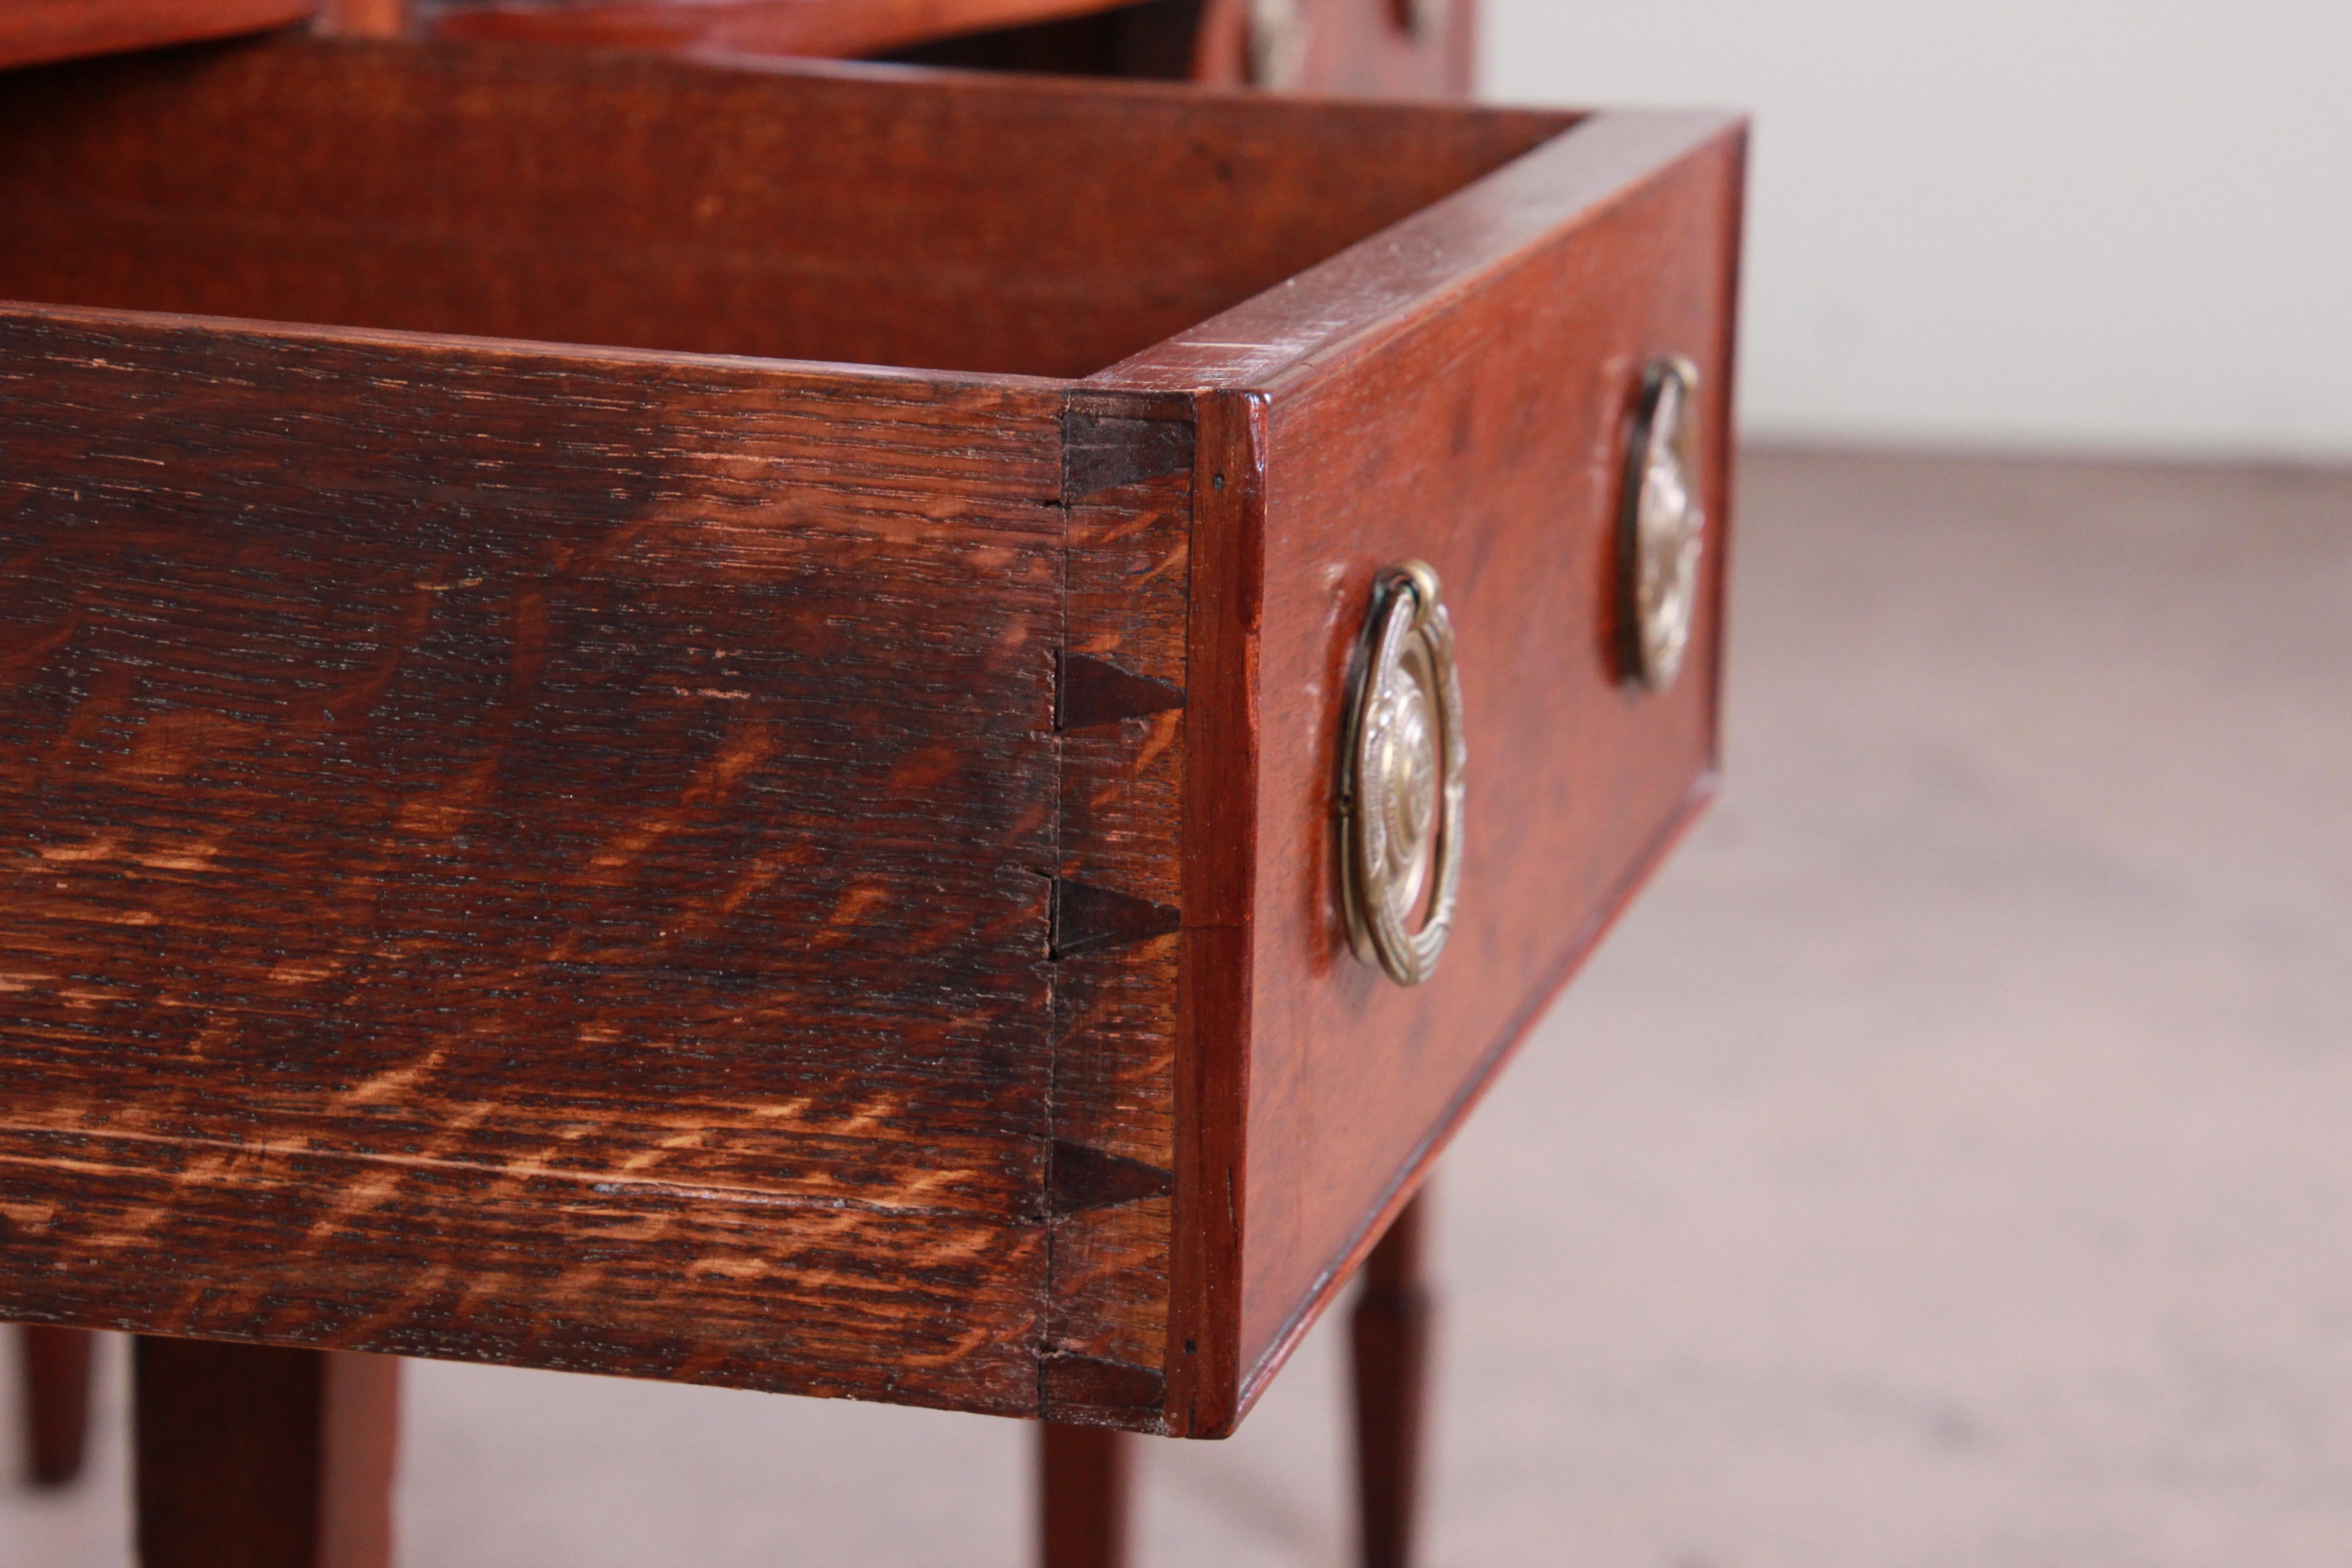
{"x":1389,"y":1333}
{"x":1461,"y":397}
{"x":582,"y":855}
{"x":1084,"y":1491}
{"x":647,"y":203}
{"x":251,"y":1457}
{"x":32,"y":31}
{"x":839,"y":30}
{"x":57,"y":1376}
{"x":366,"y":18}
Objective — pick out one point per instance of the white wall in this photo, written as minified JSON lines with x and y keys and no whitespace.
{"x":2077,"y":224}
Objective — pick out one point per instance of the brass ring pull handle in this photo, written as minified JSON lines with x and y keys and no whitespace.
{"x":1662,"y":525}
{"x":1400,"y":786}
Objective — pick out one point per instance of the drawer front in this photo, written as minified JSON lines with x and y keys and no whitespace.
{"x":1490,"y":443}
{"x":1466,"y":399}
{"x":526,"y":853}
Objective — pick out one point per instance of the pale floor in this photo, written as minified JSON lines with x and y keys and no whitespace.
{"x":1950,"y":1163}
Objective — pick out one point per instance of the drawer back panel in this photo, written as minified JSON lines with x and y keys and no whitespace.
{"x":523,"y":192}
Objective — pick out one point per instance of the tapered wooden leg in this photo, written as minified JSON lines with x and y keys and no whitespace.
{"x":1082,"y":1497}
{"x":56,"y":1400}
{"x":254,"y":1458}
{"x":1390,"y":1329}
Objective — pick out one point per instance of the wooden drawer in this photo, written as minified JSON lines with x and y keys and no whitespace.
{"x":543,"y":822}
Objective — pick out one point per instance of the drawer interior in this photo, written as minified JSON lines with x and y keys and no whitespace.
{"x":867,"y":214}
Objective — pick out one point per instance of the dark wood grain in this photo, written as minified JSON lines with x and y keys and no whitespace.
{"x":550,"y":195}
{"x":1388,"y":1335}
{"x":33,"y":31}
{"x":56,"y":1364}
{"x":1457,"y":392}
{"x":482,"y":890}
{"x":1127,"y":481}
{"x":252,"y":1457}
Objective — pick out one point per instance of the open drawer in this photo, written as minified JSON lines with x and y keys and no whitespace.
{"x":541,"y":823}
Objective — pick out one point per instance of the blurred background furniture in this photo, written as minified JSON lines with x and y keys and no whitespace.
{"x":1391,"y":48}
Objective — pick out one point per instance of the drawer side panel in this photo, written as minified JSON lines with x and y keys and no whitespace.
{"x":493,"y":836}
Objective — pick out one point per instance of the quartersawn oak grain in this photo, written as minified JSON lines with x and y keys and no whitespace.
{"x":1127,"y":482}
{"x":501,"y":801}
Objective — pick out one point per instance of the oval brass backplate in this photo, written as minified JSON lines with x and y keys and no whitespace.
{"x":1401,"y":787}
{"x":1661,"y":529}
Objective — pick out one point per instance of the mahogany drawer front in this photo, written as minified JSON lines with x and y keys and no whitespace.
{"x":1474,"y":416}
{"x":805,"y":875}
